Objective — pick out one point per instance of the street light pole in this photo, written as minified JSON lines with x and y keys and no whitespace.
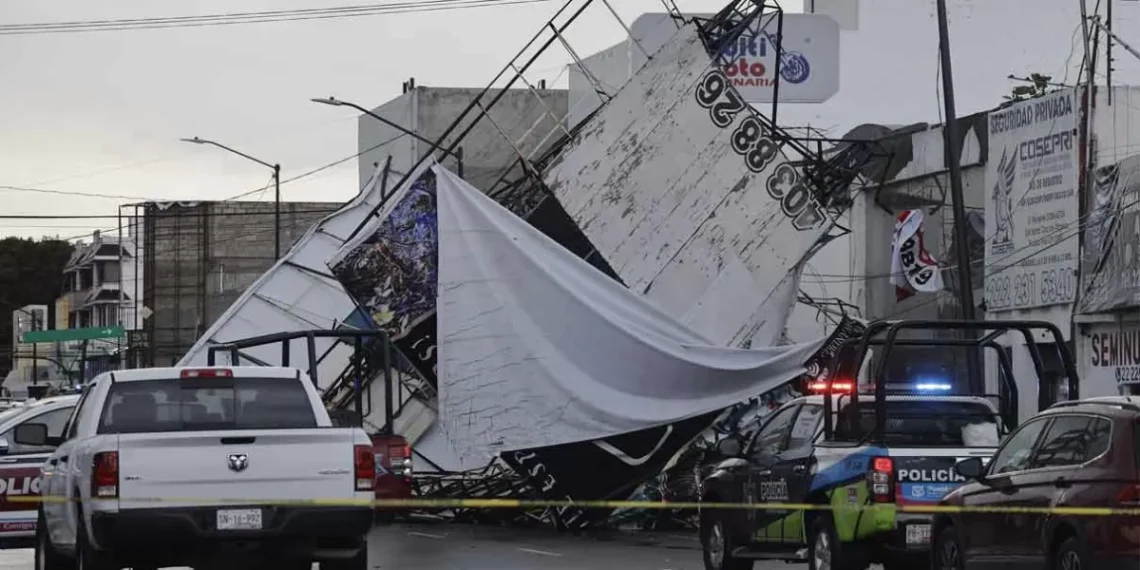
{"x":276,"y":168}
{"x":334,"y":102}
{"x":276,"y":211}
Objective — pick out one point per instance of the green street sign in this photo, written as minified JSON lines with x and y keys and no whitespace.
{"x":66,"y":335}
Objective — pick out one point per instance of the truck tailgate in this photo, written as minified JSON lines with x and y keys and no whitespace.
{"x":924,"y":476}
{"x":226,"y":467}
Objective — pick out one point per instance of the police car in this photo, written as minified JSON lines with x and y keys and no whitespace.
{"x":20,"y":464}
{"x":857,"y":482}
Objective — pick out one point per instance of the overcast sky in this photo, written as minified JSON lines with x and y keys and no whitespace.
{"x":102,"y":112}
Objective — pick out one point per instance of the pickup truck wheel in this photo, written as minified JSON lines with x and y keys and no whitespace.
{"x":717,"y":544}
{"x":947,"y":551}
{"x":86,"y":557}
{"x":826,"y":552}
{"x":47,"y":557}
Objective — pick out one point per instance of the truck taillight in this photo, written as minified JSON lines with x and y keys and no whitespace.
{"x":105,"y":475}
{"x":401,"y":460}
{"x":880,"y":480}
{"x":207,"y":373}
{"x":364,"y":467}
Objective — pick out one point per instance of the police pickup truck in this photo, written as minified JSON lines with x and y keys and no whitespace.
{"x":186,"y":466}
{"x":856,"y":486}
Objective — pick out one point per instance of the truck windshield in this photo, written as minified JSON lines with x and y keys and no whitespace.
{"x":206,"y":404}
{"x":923,"y":423}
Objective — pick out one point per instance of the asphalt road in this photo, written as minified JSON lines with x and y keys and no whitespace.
{"x":469,"y":547}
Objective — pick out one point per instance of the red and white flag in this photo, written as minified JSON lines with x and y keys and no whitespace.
{"x":912,"y":267}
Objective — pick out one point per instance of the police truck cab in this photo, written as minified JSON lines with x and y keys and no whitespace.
{"x":866,"y":454}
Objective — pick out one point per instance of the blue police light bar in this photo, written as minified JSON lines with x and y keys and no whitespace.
{"x":932,"y":387}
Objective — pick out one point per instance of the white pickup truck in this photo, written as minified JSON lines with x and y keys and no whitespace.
{"x":192,"y":466}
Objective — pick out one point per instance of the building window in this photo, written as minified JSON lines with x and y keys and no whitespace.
{"x":106,"y":315}
{"x":109,"y":272}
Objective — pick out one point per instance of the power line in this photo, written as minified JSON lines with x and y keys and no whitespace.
{"x":237,"y":18}
{"x":4,"y":187}
{"x":322,"y":168}
{"x":114,"y":216}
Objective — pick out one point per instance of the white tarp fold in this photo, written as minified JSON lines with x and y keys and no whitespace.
{"x":538,"y":348}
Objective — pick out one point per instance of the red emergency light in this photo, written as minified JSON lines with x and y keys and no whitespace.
{"x":836,"y":387}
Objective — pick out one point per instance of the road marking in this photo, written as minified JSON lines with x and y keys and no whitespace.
{"x":539,"y":552}
{"x":426,"y":535}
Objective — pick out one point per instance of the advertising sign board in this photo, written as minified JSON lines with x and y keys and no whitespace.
{"x":1110,"y":268}
{"x":391,"y":271}
{"x":1032,"y":208}
{"x":809,"y":63}
{"x":1111,"y":359}
{"x":702,"y":209}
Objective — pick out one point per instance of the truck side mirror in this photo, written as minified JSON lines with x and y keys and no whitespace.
{"x":32,"y":434}
{"x":972,"y":468}
{"x":730,"y":447}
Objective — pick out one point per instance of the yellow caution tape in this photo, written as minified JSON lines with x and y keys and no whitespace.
{"x":540,"y":504}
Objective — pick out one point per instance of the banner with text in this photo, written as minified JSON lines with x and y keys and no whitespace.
{"x":1111,"y":359}
{"x":1032,"y":207}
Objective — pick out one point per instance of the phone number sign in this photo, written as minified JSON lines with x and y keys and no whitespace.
{"x":1032,"y":205}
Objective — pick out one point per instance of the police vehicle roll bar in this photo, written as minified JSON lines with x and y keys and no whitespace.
{"x":844,"y":367}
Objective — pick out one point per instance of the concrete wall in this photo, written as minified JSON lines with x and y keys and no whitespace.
{"x":202,"y":255}
{"x":527,"y":117}
{"x":378,"y":141}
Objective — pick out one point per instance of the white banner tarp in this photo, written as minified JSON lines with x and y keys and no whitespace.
{"x":538,"y":348}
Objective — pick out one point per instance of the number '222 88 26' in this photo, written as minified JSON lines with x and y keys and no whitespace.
{"x":750,"y":141}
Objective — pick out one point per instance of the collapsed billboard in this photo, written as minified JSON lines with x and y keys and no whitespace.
{"x":392,"y":270}
{"x":543,"y":360}
{"x":547,"y":363}
{"x":692,"y":200}
{"x":538,"y":348}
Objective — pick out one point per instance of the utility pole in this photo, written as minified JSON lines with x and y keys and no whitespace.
{"x":975,"y":375}
{"x":276,"y":211}
{"x":954,"y":166}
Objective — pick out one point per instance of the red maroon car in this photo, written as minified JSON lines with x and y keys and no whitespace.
{"x":1075,"y":454}
{"x":393,"y":473}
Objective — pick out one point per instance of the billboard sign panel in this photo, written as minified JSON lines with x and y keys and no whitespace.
{"x":1111,"y":360}
{"x":691,"y":199}
{"x":1109,"y":267}
{"x":808,"y":71}
{"x":1032,"y":208}
{"x":391,"y":271}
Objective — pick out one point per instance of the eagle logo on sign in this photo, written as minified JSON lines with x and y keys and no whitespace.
{"x":1003,"y":202}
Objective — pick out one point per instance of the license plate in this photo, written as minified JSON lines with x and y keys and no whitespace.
{"x":918,"y":534}
{"x":239,"y":519}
